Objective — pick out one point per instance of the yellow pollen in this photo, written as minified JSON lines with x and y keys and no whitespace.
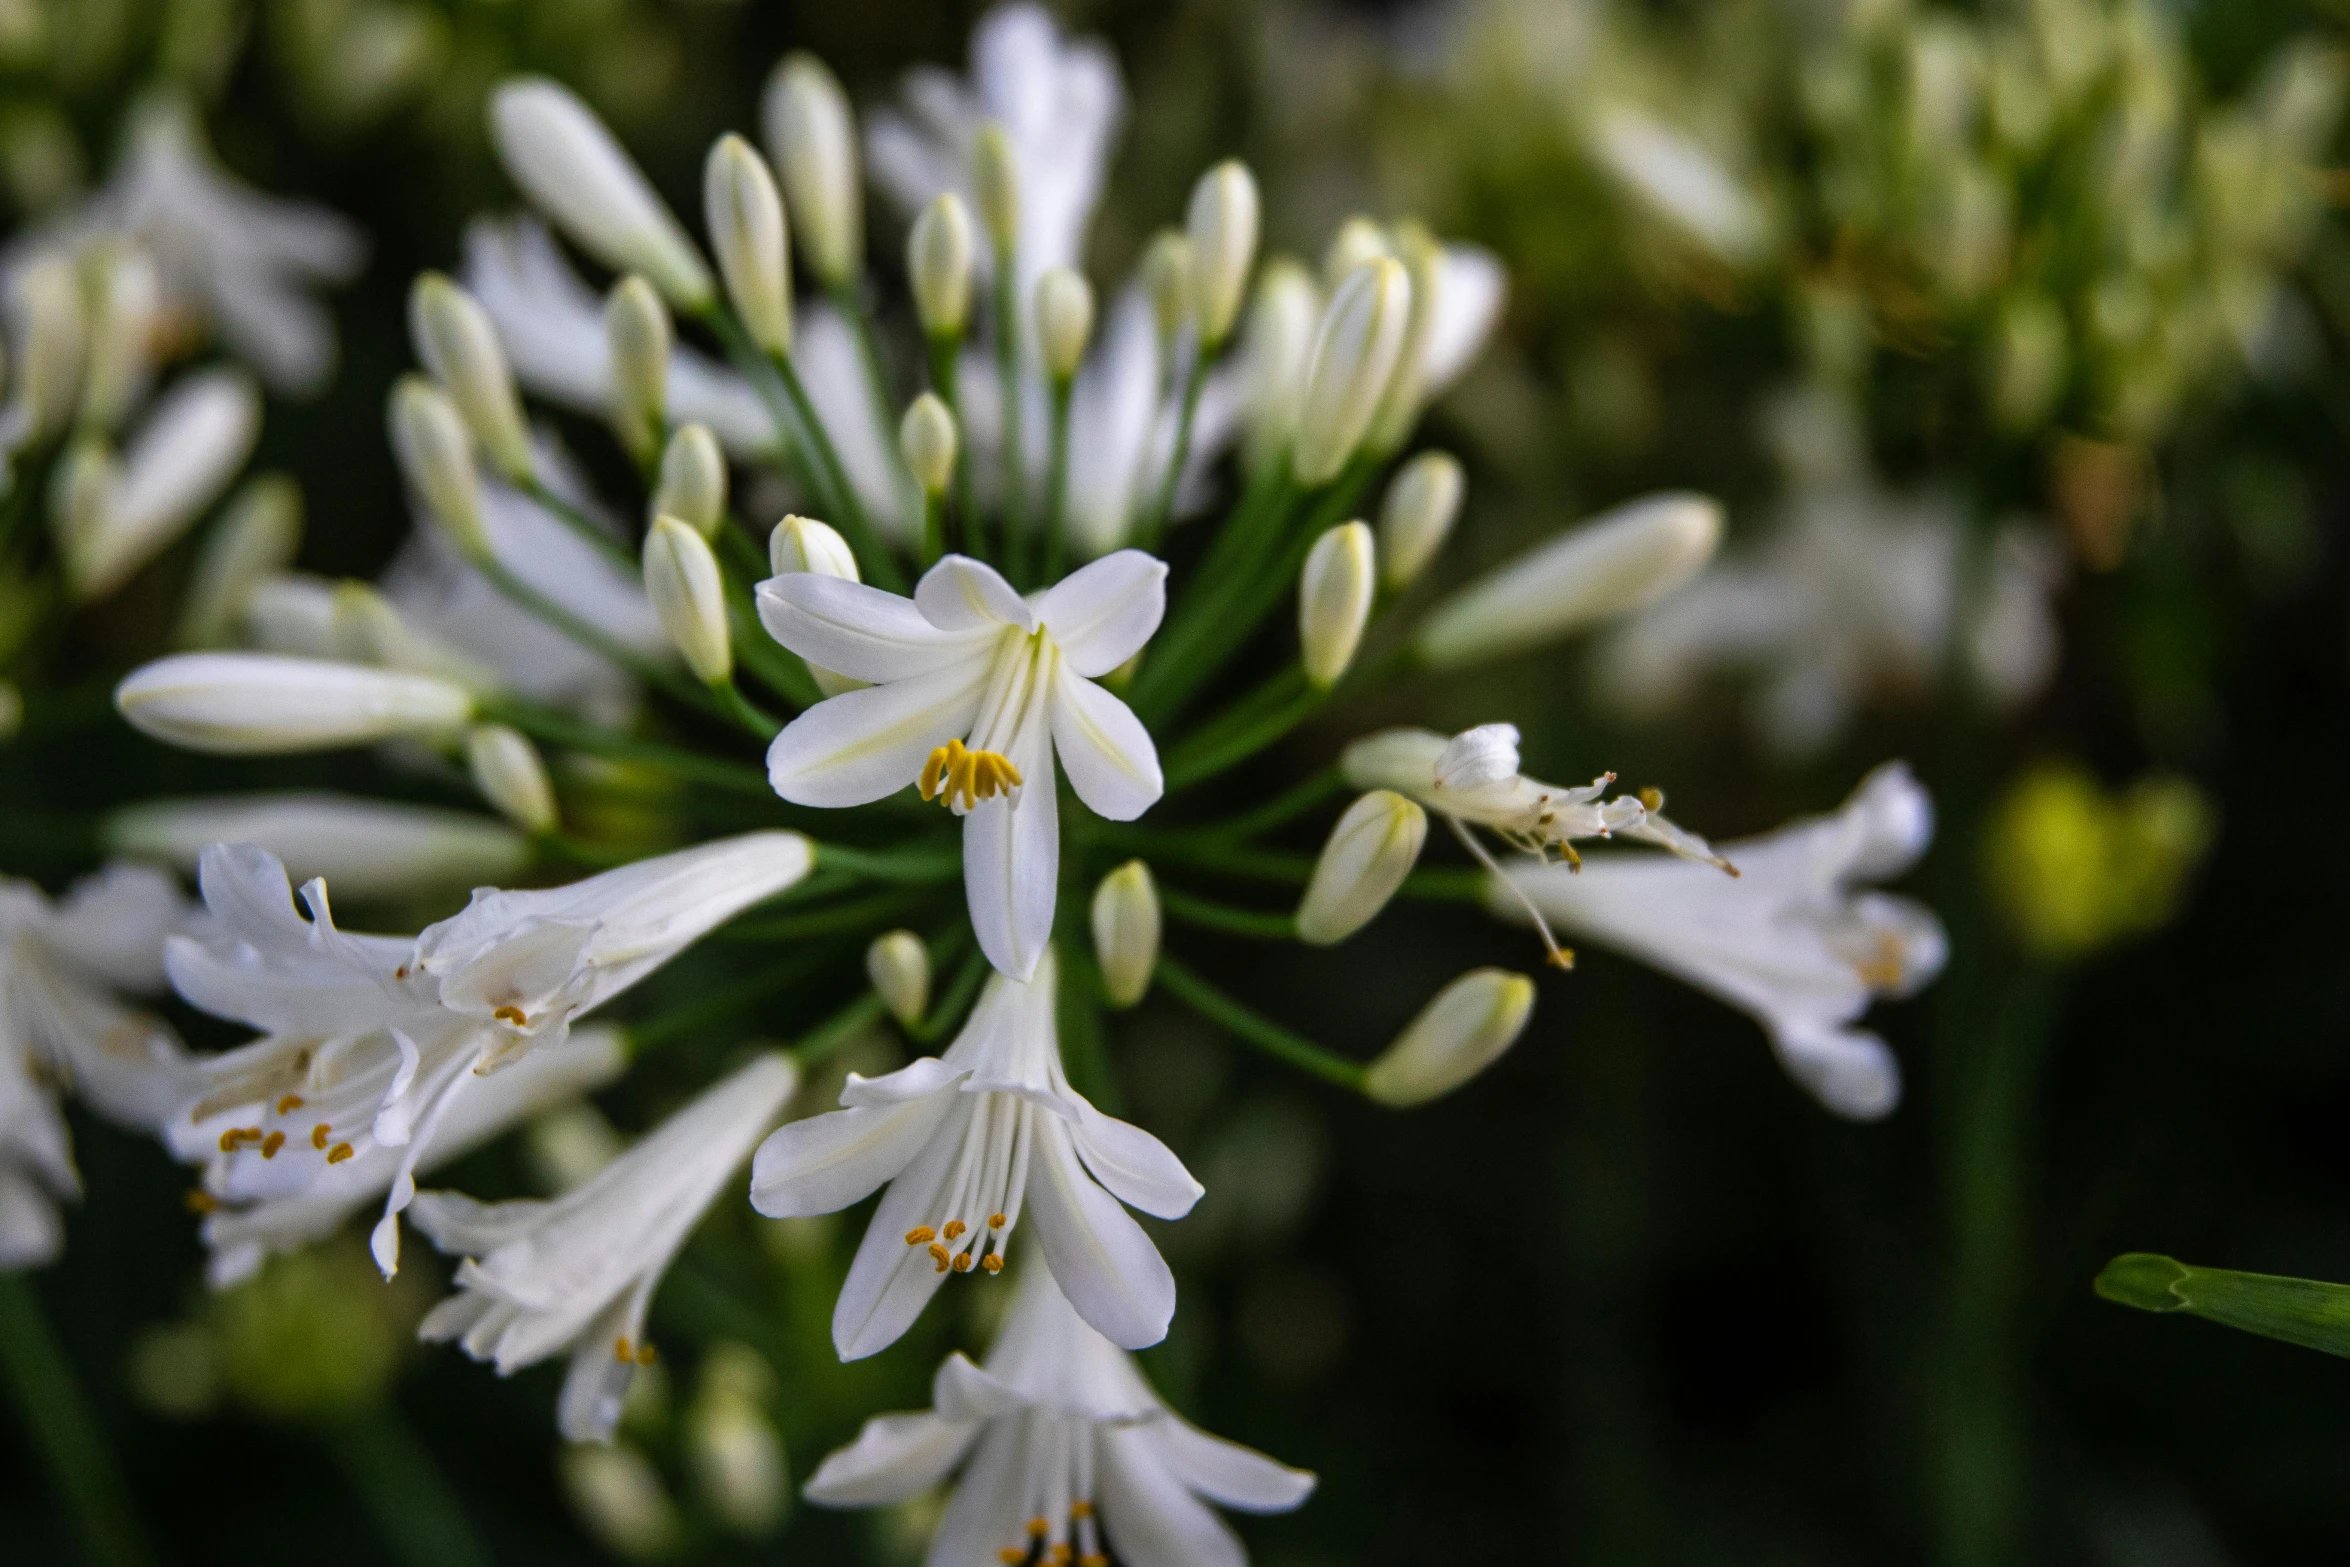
{"x":938,"y":1254}
{"x":962,"y":1262}
{"x":955,"y":1229}
{"x":621,"y":1351}
{"x":513,"y":1015}
{"x":1882,"y":969}
{"x":401,"y":972}
{"x":920,"y":1234}
{"x":996,"y":1221}
{"x":1039,"y":1528}
{"x":954,"y":775}
{"x":289,"y":1104}
{"x":1081,"y":1510}
{"x":645,"y":1355}
{"x":1058,"y":1555}
{"x":1093,"y":1559}
{"x":1011,"y":1556}
{"x":1653,"y":798}
{"x":318,"y":1135}
{"x":993,"y":1262}
{"x":1561,"y":957}
{"x":271,"y":1144}
{"x":338,"y":1153}
{"x":201,"y":1201}
{"x":235,"y":1136}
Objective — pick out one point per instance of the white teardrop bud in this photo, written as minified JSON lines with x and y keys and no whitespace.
{"x":1416,"y":516}
{"x":1222,"y":225}
{"x":899,"y":965}
{"x":1166,"y":281}
{"x":995,"y":185}
{"x":1354,"y":353}
{"x":1455,"y":1037}
{"x":1369,"y":853}
{"x":1399,"y":404}
{"x":1280,"y":351}
{"x":125,"y":300}
{"x":926,"y":439}
{"x":1334,"y":595}
{"x":51,"y":328}
{"x":428,"y":437}
{"x":257,"y":536}
{"x":747,"y":233}
{"x":692,"y":483}
{"x":638,"y":333}
{"x":258,"y":704}
{"x":1126,"y":932}
{"x":804,"y":544}
{"x":1358,"y":243}
{"x":938,"y":265}
{"x":689,"y":596}
{"x":1064,"y":320}
{"x":510,"y":775}
{"x":812,"y":136}
{"x":458,"y":344}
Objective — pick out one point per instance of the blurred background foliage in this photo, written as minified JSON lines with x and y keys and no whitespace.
{"x":2063,"y":273}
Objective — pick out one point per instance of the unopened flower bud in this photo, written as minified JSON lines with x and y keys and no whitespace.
{"x":1370,"y":852}
{"x":692,"y":485}
{"x":926,"y":439}
{"x":568,"y":164}
{"x":1455,"y":1037}
{"x":125,"y":298}
{"x":183,"y":455}
{"x":938,"y":265}
{"x":258,"y":535}
{"x":682,"y":580}
{"x":428,"y":436}
{"x":51,"y":328}
{"x":995,"y":184}
{"x":1619,"y":561}
{"x":1280,"y":351}
{"x":619,"y":1496}
{"x":804,"y":544}
{"x":508,"y":772}
{"x":812,"y":137}
{"x":1334,"y":601}
{"x":255,"y":704}
{"x":1166,"y":281}
{"x":1354,"y":353}
{"x":637,"y":329}
{"x":1399,"y":404}
{"x":1064,"y":320}
{"x":1416,"y":517}
{"x":1357,"y":243}
{"x":748,"y":235}
{"x":81,"y":495}
{"x":457,"y":343}
{"x":899,"y":965}
{"x":1222,"y":225}
{"x":1126,"y":932}
{"x":736,"y":1456}
{"x":364,"y":848}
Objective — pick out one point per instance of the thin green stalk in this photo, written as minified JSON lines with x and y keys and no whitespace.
{"x":727,"y":1001}
{"x":416,"y":1512}
{"x":910,"y":865}
{"x":1253,"y":1028}
{"x":1056,"y":495}
{"x":561,"y":729}
{"x":1192,"y":909}
{"x":1245,"y":728}
{"x":1154,"y":525}
{"x":743,"y":711}
{"x":60,"y":1423}
{"x":568,"y":850}
{"x":1283,"y":808}
{"x":1259,"y":516}
{"x":834,"y":920}
{"x":1077,"y":1015}
{"x":882,"y":566}
{"x":934,"y":527}
{"x":947,"y":1013}
{"x":946,"y":379}
{"x":1014,"y":465}
{"x":849,"y":300}
{"x":597,"y":641}
{"x":829,"y":1037}
{"x":581,"y":523}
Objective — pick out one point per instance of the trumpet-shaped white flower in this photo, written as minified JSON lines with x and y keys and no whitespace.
{"x":230,"y":258}
{"x":367,"y":1041}
{"x":61,"y":1024}
{"x":1794,"y":941}
{"x":973,"y":692}
{"x":578,"y":1273}
{"x":240,"y":1236}
{"x":969,"y":1144}
{"x":1064,"y":1451}
{"x":367,"y":848}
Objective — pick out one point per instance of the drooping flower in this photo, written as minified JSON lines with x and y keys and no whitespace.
{"x":969,"y":1143}
{"x":974,"y":691}
{"x":62,"y":1025}
{"x":1795,"y":940}
{"x":1066,"y":1455}
{"x":577,"y":1273}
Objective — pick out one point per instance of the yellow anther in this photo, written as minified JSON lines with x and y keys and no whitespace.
{"x":955,"y":1229}
{"x":645,"y":1355}
{"x":935,"y":770}
{"x":1058,"y":1555}
{"x":938,"y":1254}
{"x":962,"y":1262}
{"x":1883,"y":968}
{"x":1039,"y":1528}
{"x":621,"y":1352}
{"x":921,"y":1234}
{"x":401,"y":972}
{"x":1081,"y":1510}
{"x":201,"y":1201}
{"x":289,"y":1104}
{"x":1093,"y":1559}
{"x":271,"y":1144}
{"x":235,"y":1136}
{"x":993,"y":1262}
{"x":318,"y":1135}
{"x":338,"y":1153}
{"x":1011,"y":1556}
{"x":956,"y":776}
{"x":1560,"y":957}
{"x":513,"y":1015}
{"x":996,"y":1221}
{"x":1653,"y":798}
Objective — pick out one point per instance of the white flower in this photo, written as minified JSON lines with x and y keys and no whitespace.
{"x":969,"y":1143}
{"x":367,"y":848}
{"x":1066,"y":1455}
{"x":973,"y":692}
{"x":240,"y":1236}
{"x":368,"y":1040}
{"x":1793,"y":940}
{"x":1680,"y":181}
{"x":241,"y":262}
{"x":192,"y":443}
{"x":578,"y":1273}
{"x":62,"y":1025}
{"x":259,"y":704}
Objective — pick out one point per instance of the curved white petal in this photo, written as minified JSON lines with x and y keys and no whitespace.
{"x":984,"y":1515}
{"x":960,"y":594}
{"x":1849,"y":1070}
{"x":1138,"y":1169}
{"x":1100,"y":615}
{"x":1151,"y":1519}
{"x":894,"y":1457}
{"x":1112,"y":763}
{"x":1012,"y":866}
{"x":890,"y":1282}
{"x":826,"y":1162}
{"x":1471,"y":288}
{"x":1226,"y":1473}
{"x":962,"y":1391}
{"x":916,"y":1080}
{"x":861,"y":745}
{"x":857,"y":630}
{"x":1100,"y":1257}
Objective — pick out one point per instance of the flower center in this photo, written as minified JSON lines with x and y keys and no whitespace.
{"x":980,"y":1204}
{"x":1054,"y":1480}
{"x":956,"y":776}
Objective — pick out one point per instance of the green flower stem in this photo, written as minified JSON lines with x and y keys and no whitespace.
{"x":836,"y":1032}
{"x":947,"y":1013}
{"x":564,"y":849}
{"x":581,"y":523}
{"x":1056,"y":493}
{"x":1154,"y":524}
{"x":909,"y":865}
{"x":416,"y":1512}
{"x":1258,"y":590}
{"x":1230,"y":859}
{"x":1192,"y":909}
{"x":833,"y":920}
{"x":1283,"y":808}
{"x":1245,"y":728}
{"x":724,"y":1002}
{"x":649,"y":671}
{"x":743,"y":711}
{"x":934,"y":528}
{"x":1262,"y":508}
{"x":1262,"y":1032}
{"x":561,"y":729}
{"x":946,"y":379}
{"x":778,"y":669}
{"x":882,"y":565}
{"x":2306,"y":1312}
{"x":849,"y":300}
{"x":1012,"y":469}
{"x":60,"y":1423}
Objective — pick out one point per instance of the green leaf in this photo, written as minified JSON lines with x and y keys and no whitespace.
{"x":2300,"y":1311}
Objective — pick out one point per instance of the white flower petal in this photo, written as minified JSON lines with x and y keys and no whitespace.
{"x":1100,"y":615}
{"x":1100,"y":1257}
{"x":1112,"y":763}
{"x":893,"y":1458}
{"x":1226,"y":1473}
{"x":857,"y":630}
{"x":961,"y":1391}
{"x":960,"y":594}
{"x":1012,"y":866}
{"x":890,"y":1282}
{"x":1849,"y":1070}
{"x":1138,"y":1169}
{"x":597,"y":1384}
{"x":826,"y":1162}
{"x":862,"y":745}
{"x":1471,"y":288}
{"x":1151,"y":1519}
{"x":916,"y":1080}
{"x":985,"y":1513}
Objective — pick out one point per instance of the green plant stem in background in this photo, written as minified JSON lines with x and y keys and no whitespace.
{"x":947,"y":1012}
{"x":1056,"y":487}
{"x":946,"y":379}
{"x":59,"y":1422}
{"x":836,"y":1032}
{"x":1283,"y":808}
{"x":849,"y":509}
{"x":1012,"y":467}
{"x":1249,"y":725}
{"x":1154,"y":524}
{"x":561,"y":729}
{"x":849,"y":300}
{"x":1255,"y":1029}
{"x":648,"y":670}
{"x":745,"y":713}
{"x":1207,"y":913}
{"x":581,"y":523}
{"x":2306,"y":1312}
{"x":417,"y":1514}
